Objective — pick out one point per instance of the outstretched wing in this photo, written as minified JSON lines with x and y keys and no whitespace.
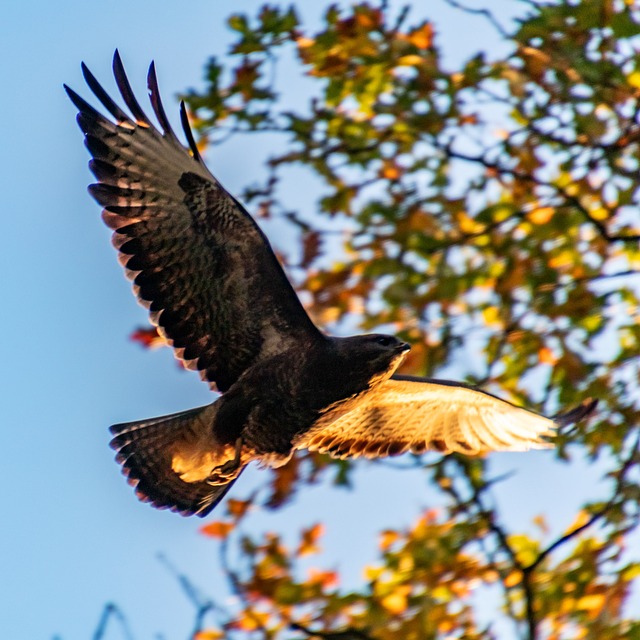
{"x":419,"y":414}
{"x":197,"y":260}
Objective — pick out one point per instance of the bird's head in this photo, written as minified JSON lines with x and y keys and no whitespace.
{"x":378,"y":354}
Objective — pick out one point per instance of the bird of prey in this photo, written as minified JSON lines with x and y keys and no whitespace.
{"x":217,"y":293}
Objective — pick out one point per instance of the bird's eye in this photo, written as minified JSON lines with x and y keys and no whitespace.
{"x":385,"y":341}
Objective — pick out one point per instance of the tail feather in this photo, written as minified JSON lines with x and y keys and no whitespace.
{"x":146,"y":449}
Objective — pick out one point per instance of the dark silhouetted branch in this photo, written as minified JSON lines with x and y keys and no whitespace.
{"x":112,"y":611}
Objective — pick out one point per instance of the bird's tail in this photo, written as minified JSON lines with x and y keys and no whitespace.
{"x":168,"y":459}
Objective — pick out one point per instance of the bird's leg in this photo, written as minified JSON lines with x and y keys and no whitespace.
{"x":227,"y":471}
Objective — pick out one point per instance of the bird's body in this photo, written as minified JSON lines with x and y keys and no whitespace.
{"x":217,"y":293}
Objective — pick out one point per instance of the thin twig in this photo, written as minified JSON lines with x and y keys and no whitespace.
{"x":112,"y":610}
{"x":595,"y":517}
{"x":482,"y":12}
{"x":202,"y":605}
{"x":572,"y":200}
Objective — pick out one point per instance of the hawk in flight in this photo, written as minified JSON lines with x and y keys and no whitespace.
{"x":217,"y":293}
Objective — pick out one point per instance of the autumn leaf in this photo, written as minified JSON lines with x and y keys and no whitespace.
{"x":283,"y":482}
{"x":388,"y":538}
{"x":311,"y":245}
{"x":324,"y":579}
{"x":396,"y":602}
{"x":148,"y":337}
{"x":309,"y":540}
{"x":217,"y":529}
{"x":422,"y":37}
{"x":238,"y":508}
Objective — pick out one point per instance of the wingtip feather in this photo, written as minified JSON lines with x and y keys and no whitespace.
{"x":100,"y":93}
{"x":158,"y":107}
{"x":184,"y":119}
{"x":124,"y":86}
{"x":584,"y":409}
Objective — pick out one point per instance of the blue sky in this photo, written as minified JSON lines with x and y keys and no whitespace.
{"x":73,"y":535}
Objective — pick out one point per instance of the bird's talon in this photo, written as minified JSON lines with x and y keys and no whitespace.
{"x":227,"y":471}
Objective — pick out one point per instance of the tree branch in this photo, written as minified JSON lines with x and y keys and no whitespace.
{"x":346,"y":634}
{"x":482,"y":12}
{"x":110,"y":611}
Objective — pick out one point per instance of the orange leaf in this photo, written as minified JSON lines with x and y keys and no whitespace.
{"x":540,"y":215}
{"x":308,"y":543}
{"x":514,"y":578}
{"x":148,"y":337}
{"x":387,"y":538}
{"x":305,"y":43}
{"x":250,"y":620}
{"x":326,"y":579}
{"x":546,"y":356}
{"x":283,"y":482}
{"x":470,"y":118}
{"x":422,"y":37}
{"x":217,"y":529}
{"x":237,"y":508}
{"x":390,"y":170}
{"x":209,"y":635}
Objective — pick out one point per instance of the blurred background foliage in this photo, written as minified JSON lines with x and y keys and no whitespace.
{"x":489,"y":215}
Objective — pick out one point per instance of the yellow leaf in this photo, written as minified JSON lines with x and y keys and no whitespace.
{"x":525,"y":548}
{"x":593,"y":602}
{"x":599,"y":213}
{"x":634,"y":79}
{"x":563,"y":259}
{"x":581,"y":519}
{"x":467,"y":224}
{"x":631,"y":572}
{"x":410,"y":61}
{"x":372,"y":573}
{"x":540,"y":215}
{"x":406,"y":564}
{"x":441,"y":592}
{"x":329,"y":315}
{"x":252,"y":620}
{"x":396,"y":602}
{"x":491,"y":316}
{"x":209,"y":635}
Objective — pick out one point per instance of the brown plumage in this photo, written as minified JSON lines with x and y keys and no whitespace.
{"x":217,"y":293}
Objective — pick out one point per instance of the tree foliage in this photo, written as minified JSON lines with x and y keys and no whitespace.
{"x":488,"y":214}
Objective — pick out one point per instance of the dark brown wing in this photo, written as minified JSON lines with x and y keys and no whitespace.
{"x":198,"y":261}
{"x":419,"y":414}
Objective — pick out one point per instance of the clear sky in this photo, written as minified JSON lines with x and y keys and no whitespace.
{"x":73,"y":537}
